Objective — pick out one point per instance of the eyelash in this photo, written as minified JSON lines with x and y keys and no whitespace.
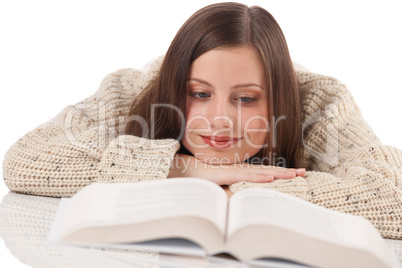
{"x":196,"y":95}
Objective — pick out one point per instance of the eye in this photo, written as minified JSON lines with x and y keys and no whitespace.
{"x":246,"y":100}
{"x":200,"y":95}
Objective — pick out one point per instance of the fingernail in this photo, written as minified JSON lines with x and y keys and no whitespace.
{"x":300,"y":171}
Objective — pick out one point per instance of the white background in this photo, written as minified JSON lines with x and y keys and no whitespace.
{"x":55,"y":53}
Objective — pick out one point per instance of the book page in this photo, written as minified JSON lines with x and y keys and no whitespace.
{"x":126,"y":203}
{"x":182,"y":196}
{"x":256,"y":206}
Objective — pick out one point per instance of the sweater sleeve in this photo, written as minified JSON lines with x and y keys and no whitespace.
{"x":348,"y":168}
{"x":82,"y":144}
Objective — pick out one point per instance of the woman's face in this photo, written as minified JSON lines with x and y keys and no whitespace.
{"x":226,"y":106}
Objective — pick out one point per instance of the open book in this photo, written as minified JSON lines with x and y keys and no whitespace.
{"x":254,"y":223}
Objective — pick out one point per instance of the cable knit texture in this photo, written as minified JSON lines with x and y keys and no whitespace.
{"x":348,"y":168}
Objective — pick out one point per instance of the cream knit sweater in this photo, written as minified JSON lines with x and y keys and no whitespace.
{"x":348,"y":168}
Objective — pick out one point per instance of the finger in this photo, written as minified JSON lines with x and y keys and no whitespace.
{"x":250,"y":177}
{"x":255,"y":177}
{"x":299,"y":171}
{"x":276,"y":172}
{"x":281,"y":174}
{"x":286,"y":173}
{"x":260,"y":178}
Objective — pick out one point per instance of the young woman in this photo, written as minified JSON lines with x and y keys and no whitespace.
{"x":229,"y":69}
{"x":225,"y":104}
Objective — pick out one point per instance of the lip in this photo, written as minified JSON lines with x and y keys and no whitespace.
{"x":221,"y":142}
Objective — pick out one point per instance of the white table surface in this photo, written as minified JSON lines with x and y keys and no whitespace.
{"x":25,"y":223}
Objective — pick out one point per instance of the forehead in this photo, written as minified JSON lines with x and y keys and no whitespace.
{"x":234,"y":65}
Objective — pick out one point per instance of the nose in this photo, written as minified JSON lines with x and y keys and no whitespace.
{"x":221,"y":122}
{"x":221,"y":114}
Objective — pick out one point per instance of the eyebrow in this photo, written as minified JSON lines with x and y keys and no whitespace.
{"x":237,"y":86}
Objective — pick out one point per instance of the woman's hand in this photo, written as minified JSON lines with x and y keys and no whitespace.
{"x":189,"y":166}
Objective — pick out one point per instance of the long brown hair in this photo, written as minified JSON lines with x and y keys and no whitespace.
{"x":225,"y":25}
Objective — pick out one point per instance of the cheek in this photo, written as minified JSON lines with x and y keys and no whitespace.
{"x":255,"y":126}
{"x":254,"y":120}
{"x":195,"y":118}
